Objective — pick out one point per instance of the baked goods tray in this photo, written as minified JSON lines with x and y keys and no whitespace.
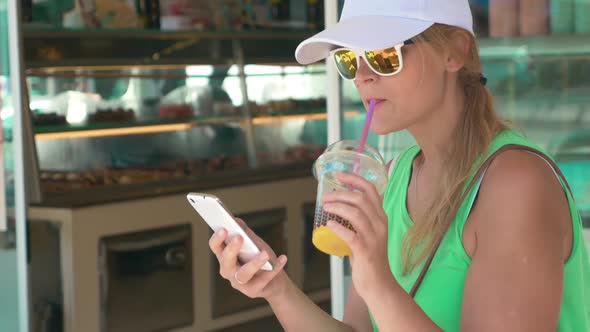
{"x":110,"y":194}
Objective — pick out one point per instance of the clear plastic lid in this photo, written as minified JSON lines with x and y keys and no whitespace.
{"x":342,"y":157}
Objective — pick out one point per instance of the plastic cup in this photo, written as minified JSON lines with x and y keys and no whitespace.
{"x":341,"y":157}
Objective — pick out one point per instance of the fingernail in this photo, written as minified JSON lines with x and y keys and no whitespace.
{"x":283,"y":259}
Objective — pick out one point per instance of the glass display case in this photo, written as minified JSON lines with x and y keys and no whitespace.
{"x":119,"y":141}
{"x":107,"y":132}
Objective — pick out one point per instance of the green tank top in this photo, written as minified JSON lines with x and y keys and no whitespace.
{"x":441,"y":292}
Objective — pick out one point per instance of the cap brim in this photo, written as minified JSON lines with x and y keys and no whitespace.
{"x":364,"y":32}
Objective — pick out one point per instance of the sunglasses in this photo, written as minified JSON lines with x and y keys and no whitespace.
{"x":385,"y":62}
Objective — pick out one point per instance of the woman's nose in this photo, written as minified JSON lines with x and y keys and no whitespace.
{"x":364,"y":74}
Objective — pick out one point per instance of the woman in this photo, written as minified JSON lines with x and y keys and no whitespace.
{"x":512,"y":257}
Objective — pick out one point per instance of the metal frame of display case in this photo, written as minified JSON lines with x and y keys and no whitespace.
{"x":20,"y":138}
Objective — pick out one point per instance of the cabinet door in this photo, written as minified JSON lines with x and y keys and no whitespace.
{"x":13,"y":278}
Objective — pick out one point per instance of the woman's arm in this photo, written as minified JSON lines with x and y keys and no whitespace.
{"x":293,"y":308}
{"x":522,"y":227}
{"x":297,"y":312}
{"x":356,"y":314}
{"x":523,"y":238}
{"x":392,"y":308}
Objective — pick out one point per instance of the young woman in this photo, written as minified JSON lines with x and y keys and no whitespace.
{"x":512,"y":256}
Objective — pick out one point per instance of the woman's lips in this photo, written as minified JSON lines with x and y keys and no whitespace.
{"x":377,"y":101}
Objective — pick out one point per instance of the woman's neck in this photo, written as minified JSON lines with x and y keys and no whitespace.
{"x":435,"y":133}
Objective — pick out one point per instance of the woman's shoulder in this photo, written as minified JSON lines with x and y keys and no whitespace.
{"x":521,"y":191}
{"x":518,"y":169}
{"x":519,"y":177}
{"x":520,"y":232}
{"x":514,"y":138}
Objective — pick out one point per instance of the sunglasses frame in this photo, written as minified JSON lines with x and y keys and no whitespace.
{"x":357,"y":51}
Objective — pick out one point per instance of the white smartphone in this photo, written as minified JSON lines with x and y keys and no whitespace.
{"x":212,"y":210}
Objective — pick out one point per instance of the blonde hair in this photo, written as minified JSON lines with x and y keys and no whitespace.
{"x":472,"y":138}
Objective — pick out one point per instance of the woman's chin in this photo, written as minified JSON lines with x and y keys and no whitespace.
{"x":381,"y":130}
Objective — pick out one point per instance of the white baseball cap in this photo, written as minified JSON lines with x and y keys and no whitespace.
{"x":379,"y":24}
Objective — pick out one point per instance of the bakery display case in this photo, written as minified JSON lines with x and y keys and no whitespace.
{"x":121,"y":134}
{"x":117,"y":132}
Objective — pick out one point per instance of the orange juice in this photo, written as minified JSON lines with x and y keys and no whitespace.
{"x":329,"y":243}
{"x":326,"y":240}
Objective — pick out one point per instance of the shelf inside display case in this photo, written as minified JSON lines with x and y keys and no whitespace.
{"x":124,"y":128}
{"x":50,"y":132}
{"x":535,"y":46}
{"x":104,"y":47}
{"x":51,"y":48}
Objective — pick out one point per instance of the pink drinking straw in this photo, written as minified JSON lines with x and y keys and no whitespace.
{"x":363,"y":140}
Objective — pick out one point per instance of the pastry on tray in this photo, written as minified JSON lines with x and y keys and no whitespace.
{"x":176,"y":111}
{"x":112,"y":115}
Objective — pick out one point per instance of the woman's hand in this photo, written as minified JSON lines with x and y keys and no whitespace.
{"x":363,"y":208}
{"x":248,"y":278}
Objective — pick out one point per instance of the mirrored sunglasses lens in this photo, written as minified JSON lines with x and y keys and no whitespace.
{"x":346,"y":63}
{"x":384,"y":61}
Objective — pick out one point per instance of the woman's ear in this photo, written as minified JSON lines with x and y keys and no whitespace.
{"x":457,"y":51}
